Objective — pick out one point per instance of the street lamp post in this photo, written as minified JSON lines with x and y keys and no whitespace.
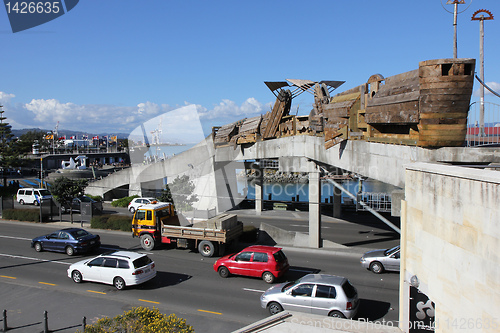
{"x":480,"y":16}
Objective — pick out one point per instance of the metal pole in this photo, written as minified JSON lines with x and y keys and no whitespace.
{"x":5,"y":328}
{"x":481,"y":69}
{"x":45,"y":322}
{"x":455,"y":14}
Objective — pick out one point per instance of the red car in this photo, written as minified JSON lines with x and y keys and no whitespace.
{"x":267,"y":262}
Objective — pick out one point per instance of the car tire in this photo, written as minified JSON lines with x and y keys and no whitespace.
{"x":223,"y":272}
{"x":268,"y":277}
{"x":206,"y":248}
{"x":274,"y":308}
{"x":35,"y":203}
{"x":21,"y":202}
{"x":69,"y":250}
{"x":119,"y":283}
{"x":132,"y":210}
{"x":376,"y":267}
{"x":38,"y":247}
{"x":336,"y":314}
{"x":147,"y":242}
{"x":76,"y":276}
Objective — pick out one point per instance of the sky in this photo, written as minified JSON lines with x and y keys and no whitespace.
{"x":108,"y":66}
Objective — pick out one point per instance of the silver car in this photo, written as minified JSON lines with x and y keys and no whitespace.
{"x":381,"y":260}
{"x":314,"y":293}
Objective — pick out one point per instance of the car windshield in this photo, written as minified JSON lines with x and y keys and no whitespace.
{"x":349,"y":290}
{"x":390,"y":251}
{"x":79,"y":233}
{"x":289,"y":285}
{"x":44,"y":192}
{"x":85,"y":199}
{"x":142,"y":261}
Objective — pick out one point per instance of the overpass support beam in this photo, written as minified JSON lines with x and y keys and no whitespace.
{"x":135,"y":189}
{"x":314,"y":209}
{"x":258,"y":183}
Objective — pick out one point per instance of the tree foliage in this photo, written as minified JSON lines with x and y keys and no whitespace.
{"x":180,"y":193}
{"x":65,"y":189}
{"x":143,"y":320}
{"x":8,"y":158}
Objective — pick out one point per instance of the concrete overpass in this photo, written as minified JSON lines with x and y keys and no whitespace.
{"x":213,"y":170}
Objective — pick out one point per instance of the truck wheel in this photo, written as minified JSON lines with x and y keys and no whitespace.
{"x":206,"y":248}
{"x":147,"y":242}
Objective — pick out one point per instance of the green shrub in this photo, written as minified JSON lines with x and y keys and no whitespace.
{"x":95,"y":197}
{"x":111,"y":222}
{"x":123,"y":202}
{"x":25,"y":214}
{"x":141,"y":319}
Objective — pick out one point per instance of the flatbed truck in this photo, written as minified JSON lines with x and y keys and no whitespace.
{"x":158,"y":223}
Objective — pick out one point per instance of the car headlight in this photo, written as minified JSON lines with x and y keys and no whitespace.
{"x":362,"y":260}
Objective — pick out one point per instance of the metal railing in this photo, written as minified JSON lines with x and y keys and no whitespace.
{"x":380,"y":202}
{"x":478,"y":135}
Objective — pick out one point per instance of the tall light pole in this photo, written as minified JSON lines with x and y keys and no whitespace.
{"x":479,"y":15}
{"x":455,"y":4}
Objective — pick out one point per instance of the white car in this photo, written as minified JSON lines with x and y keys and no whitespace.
{"x":138,"y":202}
{"x":120,"y":268}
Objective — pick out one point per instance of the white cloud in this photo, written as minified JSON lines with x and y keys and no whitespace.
{"x":5,"y":97}
{"x":229,"y":109}
{"x":101,"y":118}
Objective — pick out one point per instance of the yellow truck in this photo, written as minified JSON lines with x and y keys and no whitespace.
{"x":158,"y":224}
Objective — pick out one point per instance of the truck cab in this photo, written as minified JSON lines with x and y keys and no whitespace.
{"x":147,"y":222}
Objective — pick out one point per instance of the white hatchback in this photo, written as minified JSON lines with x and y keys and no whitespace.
{"x":120,"y":268}
{"x":138,"y":202}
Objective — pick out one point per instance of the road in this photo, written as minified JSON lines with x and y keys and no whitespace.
{"x":186,"y":285}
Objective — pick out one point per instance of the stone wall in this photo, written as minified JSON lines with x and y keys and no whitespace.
{"x":451,"y":246}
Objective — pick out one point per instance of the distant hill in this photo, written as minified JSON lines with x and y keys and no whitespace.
{"x":67,"y":133}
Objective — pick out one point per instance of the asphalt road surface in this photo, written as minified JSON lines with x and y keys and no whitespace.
{"x":186,"y":284}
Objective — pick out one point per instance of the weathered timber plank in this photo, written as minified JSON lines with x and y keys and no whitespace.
{"x":443,"y":106}
{"x":251,"y":125}
{"x":441,"y":127}
{"x":393,"y":99}
{"x":443,"y":121}
{"x":446,"y":79}
{"x":345,"y":97}
{"x":450,"y":115}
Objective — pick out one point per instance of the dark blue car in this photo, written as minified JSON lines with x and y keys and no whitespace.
{"x":69,"y":240}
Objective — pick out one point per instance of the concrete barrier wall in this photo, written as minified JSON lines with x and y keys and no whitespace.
{"x":451,"y":244}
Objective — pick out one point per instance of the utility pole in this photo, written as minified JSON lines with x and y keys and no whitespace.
{"x":479,"y":15}
{"x":455,"y":4}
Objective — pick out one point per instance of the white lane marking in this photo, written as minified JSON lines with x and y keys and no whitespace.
{"x":255,"y":290}
{"x":34,"y":259}
{"x":20,"y":238}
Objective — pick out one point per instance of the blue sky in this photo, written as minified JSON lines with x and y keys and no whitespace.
{"x":109,"y":65}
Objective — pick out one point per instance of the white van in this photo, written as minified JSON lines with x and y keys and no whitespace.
{"x":32,"y":195}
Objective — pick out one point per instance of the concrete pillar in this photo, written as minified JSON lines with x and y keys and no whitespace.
{"x":258,"y":183}
{"x":135,"y":189}
{"x":226,"y":186}
{"x":314,"y":210}
{"x":337,"y":202}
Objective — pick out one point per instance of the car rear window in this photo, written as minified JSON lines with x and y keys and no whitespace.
{"x":79,"y":234}
{"x":349,"y":290}
{"x":279,"y":256}
{"x":142,"y":261}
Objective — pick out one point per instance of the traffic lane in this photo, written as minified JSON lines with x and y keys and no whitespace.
{"x":192,"y":264}
{"x":369,"y":235}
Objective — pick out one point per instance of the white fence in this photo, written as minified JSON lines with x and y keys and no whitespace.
{"x":478,"y":135}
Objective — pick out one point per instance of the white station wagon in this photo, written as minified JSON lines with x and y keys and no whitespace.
{"x":120,"y":268}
